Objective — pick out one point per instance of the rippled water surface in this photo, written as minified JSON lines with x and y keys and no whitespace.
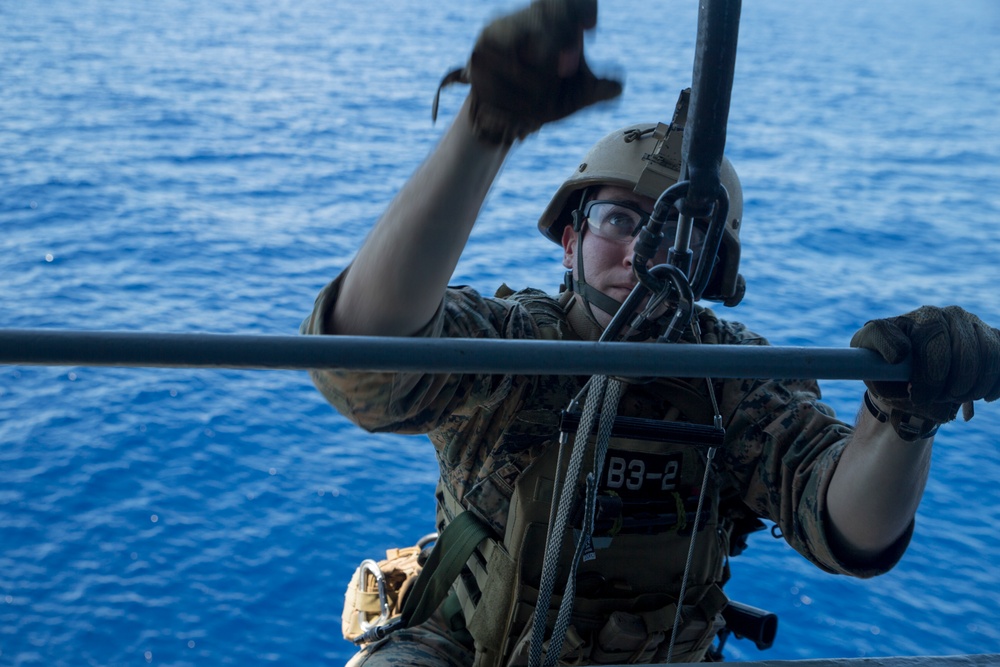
{"x":207,"y":167}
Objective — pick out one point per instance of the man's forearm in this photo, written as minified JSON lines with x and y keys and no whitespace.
{"x":876,"y":488}
{"x":397,"y":280}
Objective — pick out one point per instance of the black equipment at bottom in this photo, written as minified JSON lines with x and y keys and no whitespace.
{"x":746,"y":622}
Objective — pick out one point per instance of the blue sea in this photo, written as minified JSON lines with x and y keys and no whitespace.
{"x":183,"y":166}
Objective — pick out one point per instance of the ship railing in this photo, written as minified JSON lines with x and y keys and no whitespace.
{"x":51,"y":347}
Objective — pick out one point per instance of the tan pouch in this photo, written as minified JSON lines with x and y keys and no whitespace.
{"x":699,"y":626}
{"x":624,"y":639}
{"x":376,"y":592}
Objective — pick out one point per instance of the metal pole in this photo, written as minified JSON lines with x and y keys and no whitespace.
{"x":711,"y":91}
{"x":193,"y":350}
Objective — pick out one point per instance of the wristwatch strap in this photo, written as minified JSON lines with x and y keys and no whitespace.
{"x":908,"y":427}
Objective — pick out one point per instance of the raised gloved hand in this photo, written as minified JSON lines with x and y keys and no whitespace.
{"x":955,"y":360}
{"x":527,"y":69}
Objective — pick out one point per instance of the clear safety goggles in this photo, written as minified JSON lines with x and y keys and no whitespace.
{"x":620,"y":222}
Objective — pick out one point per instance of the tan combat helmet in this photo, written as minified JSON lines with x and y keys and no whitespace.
{"x":647,"y":159}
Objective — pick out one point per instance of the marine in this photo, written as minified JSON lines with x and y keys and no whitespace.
{"x":643,"y":558}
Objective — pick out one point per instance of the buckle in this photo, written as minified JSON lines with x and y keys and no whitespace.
{"x":908,"y":427}
{"x":912,"y":428}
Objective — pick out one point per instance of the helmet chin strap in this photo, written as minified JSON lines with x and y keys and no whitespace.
{"x":591,"y":296}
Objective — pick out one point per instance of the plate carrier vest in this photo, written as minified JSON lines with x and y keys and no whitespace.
{"x":629,"y":580}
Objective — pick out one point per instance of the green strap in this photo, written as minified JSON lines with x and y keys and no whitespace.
{"x":451,"y":551}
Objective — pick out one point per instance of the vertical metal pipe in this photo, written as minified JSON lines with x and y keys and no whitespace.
{"x":711,"y":89}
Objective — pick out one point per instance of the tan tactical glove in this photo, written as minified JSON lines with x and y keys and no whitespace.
{"x":955,"y":359}
{"x":527,"y":69}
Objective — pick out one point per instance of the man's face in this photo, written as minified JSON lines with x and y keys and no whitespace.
{"x":608,"y":263}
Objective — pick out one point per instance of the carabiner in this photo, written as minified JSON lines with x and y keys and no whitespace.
{"x":368,"y":565}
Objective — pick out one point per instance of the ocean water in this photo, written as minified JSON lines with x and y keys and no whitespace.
{"x":207,"y":167}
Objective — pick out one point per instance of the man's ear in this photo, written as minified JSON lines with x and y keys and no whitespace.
{"x":569,"y":247}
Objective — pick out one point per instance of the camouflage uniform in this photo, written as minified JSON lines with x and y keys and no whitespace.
{"x":782,"y":444}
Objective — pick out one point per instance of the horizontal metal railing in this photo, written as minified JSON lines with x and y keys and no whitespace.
{"x":203,"y":350}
